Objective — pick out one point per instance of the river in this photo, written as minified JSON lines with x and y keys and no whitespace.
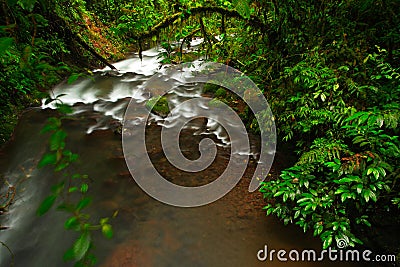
{"x":228,"y":232}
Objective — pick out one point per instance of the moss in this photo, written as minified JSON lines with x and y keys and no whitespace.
{"x":216,"y":103}
{"x":220,"y":93}
{"x":158,"y":105}
{"x":210,"y":88}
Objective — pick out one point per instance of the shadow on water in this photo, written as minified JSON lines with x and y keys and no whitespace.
{"x":228,"y":232}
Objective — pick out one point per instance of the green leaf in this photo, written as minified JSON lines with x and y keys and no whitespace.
{"x":341,"y":189}
{"x":73,"y":157}
{"x":104,"y":221}
{"x":269,"y":211}
{"x":64,"y":108}
{"x":366,"y":222}
{"x":27,"y":4}
{"x":318,"y":229}
{"x":107,"y":231}
{"x":51,"y":125}
{"x":296,"y":214}
{"x":71,"y":223}
{"x":83,"y":203}
{"x":84,"y":188}
{"x":303,"y":199}
{"x":372,"y":195}
{"x":81,"y":246}
{"x":285,"y":196}
{"x":312,"y":191}
{"x":242,"y":7}
{"x":73,"y":77}
{"x":72,"y":189}
{"x":355,"y":115}
{"x":57,"y":140}
{"x":344,"y":196}
{"x":366,"y":194}
{"x":68,"y":255}
{"x":327,"y":242}
{"x":46,"y":205}
{"x":5,"y":43}
{"x":47,"y":159}
{"x":49,"y":100}
{"x":359,"y":188}
{"x":349,"y":179}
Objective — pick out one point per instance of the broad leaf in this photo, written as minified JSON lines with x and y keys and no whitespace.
{"x":46,"y":205}
{"x":47,"y":159}
{"x":71,"y":223}
{"x":81,"y":246}
{"x":107,"y":231}
{"x":83,"y":203}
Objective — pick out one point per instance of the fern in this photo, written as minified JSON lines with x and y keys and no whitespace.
{"x":323,"y":150}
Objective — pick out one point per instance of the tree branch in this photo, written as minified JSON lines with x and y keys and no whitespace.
{"x":63,"y":25}
{"x":185,"y":38}
{"x":10,"y":251}
{"x":168,"y":20}
{"x":78,"y":38}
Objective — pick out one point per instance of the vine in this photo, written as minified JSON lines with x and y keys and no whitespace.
{"x":69,"y":187}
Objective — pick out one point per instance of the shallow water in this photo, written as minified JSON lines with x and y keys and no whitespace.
{"x":228,"y":232}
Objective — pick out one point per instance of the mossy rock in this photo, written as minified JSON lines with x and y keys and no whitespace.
{"x":158,"y":105}
{"x":220,"y":93}
{"x":216,"y":103}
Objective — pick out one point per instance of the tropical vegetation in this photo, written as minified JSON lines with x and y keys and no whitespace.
{"x":329,"y":70}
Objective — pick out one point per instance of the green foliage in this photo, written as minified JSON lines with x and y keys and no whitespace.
{"x":348,"y":158}
{"x":243,"y":7}
{"x":329,"y":70}
{"x":29,"y":58}
{"x":158,"y":105}
{"x":69,"y":185}
{"x":330,"y":73}
{"x":221,"y":93}
{"x":81,"y":246}
{"x":46,"y":205}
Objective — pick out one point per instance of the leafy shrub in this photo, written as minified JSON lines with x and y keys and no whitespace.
{"x":348,"y":158}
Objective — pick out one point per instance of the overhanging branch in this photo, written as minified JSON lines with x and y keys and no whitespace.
{"x":168,"y":20}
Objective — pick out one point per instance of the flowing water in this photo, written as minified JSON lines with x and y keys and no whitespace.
{"x":228,"y":232}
